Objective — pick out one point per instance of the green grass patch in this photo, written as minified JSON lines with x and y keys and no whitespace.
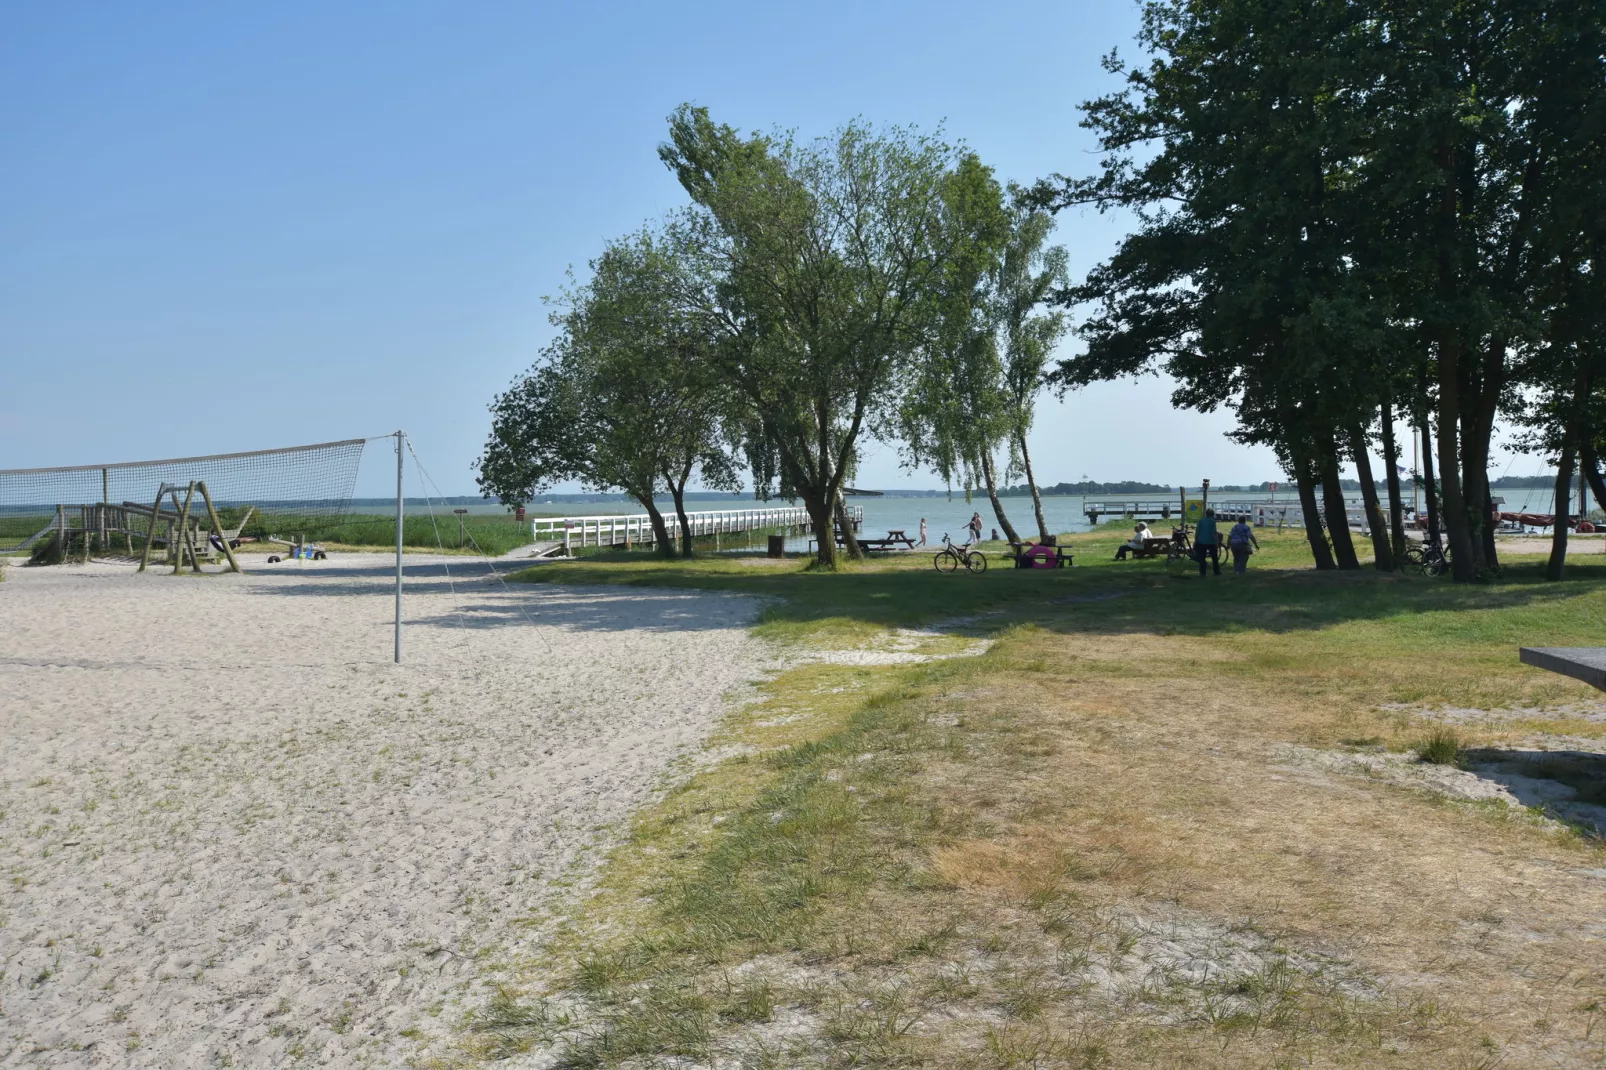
{"x":889,"y":874}
{"x":1441,"y":746}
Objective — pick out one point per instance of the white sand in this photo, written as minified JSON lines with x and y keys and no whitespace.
{"x":234,"y":833}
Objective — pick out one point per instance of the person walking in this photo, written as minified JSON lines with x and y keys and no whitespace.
{"x":975,"y":527}
{"x":1207,"y":543}
{"x":1238,"y":541}
{"x":922,"y":531}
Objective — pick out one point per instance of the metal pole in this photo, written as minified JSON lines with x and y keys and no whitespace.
{"x":400,"y":441}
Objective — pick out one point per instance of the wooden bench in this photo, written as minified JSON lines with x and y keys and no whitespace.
{"x":1152,"y":548}
{"x":1017,"y":553}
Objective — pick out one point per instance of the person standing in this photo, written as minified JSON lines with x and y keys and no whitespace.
{"x":922,"y":531}
{"x":1238,"y":541}
{"x":975,"y":527}
{"x":1207,"y":543}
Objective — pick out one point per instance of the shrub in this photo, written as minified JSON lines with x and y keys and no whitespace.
{"x":1442,"y":746}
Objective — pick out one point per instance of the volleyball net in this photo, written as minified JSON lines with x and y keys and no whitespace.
{"x":291,"y":494}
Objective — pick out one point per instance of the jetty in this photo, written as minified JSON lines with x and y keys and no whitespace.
{"x":552,"y":534}
{"x":1260,"y":512}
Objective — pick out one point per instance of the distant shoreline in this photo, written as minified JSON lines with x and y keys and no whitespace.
{"x":1116,"y":490}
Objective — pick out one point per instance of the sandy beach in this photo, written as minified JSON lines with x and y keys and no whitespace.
{"x":232,"y":832}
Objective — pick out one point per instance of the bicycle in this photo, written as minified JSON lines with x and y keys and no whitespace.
{"x":1428,"y":558}
{"x":950,"y":557}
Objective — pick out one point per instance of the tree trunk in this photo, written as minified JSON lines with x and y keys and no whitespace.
{"x":992,"y":495}
{"x":855,"y":551}
{"x":1333,"y":509}
{"x":1031,"y":481}
{"x":1313,"y":519}
{"x":1558,"y":534}
{"x":1391,"y":459}
{"x":821,"y":516}
{"x":1591,"y":466}
{"x":661,"y":542}
{"x":678,"y":492}
{"x":1479,"y":498}
{"x":1457,"y":521}
{"x":1430,"y":486}
{"x":1376,"y":522}
{"x":1476,"y":432}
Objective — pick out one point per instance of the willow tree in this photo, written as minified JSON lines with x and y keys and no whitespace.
{"x":975,"y":394}
{"x":820,"y":262}
{"x":1028,"y":275}
{"x":626,"y":396}
{"x":955,"y":413}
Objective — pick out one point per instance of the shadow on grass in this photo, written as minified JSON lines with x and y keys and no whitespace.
{"x":1567,"y":785}
{"x":1103,"y":597}
{"x":481,"y":601}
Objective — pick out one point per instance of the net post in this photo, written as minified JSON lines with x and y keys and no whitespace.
{"x":400,"y":439}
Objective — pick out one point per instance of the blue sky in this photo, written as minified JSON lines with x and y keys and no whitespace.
{"x":231,"y":227}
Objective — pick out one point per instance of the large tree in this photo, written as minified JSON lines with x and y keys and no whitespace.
{"x":626,"y":397}
{"x":1236,"y":146}
{"x":955,"y":412}
{"x":826,"y":259}
{"x":1028,"y":275}
{"x":1340,"y":200}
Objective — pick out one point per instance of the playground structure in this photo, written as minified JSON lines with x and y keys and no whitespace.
{"x":183,"y":539}
{"x":188,"y":534}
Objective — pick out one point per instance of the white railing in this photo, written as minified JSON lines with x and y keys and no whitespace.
{"x":579,"y":531}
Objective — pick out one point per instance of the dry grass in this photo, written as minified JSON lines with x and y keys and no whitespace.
{"x":1080,"y":849}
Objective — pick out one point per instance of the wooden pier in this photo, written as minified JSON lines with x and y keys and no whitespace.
{"x":1261,"y":512}
{"x":568,"y":533}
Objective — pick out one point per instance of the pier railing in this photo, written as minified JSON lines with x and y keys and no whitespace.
{"x":632,"y":528}
{"x":1261,"y":513}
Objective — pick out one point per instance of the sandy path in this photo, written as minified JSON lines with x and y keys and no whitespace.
{"x":233,"y":833}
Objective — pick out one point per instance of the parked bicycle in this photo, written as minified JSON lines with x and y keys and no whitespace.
{"x":1428,"y":558}
{"x":951,"y":557}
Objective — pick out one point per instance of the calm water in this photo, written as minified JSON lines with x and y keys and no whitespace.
{"x":1065,"y":515}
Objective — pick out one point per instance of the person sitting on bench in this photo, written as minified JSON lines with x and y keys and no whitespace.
{"x":1139,"y":533}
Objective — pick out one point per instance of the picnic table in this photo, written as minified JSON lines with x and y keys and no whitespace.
{"x":1178,"y":545}
{"x":896,"y":539}
{"x":1020,"y":554}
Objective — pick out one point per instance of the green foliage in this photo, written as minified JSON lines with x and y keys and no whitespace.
{"x":626,"y":396}
{"x":493,"y":535}
{"x":48,"y":551}
{"x":1346,"y":204}
{"x":1441,"y":746}
{"x":825,"y":270}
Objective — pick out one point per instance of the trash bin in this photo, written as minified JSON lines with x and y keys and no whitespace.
{"x":777,"y":545}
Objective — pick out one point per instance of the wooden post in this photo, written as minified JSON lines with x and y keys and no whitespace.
{"x":217,"y":527}
{"x":183,"y":538}
{"x":150,"y":534}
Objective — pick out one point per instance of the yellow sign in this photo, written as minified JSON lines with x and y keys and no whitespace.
{"x":1194,"y":510}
